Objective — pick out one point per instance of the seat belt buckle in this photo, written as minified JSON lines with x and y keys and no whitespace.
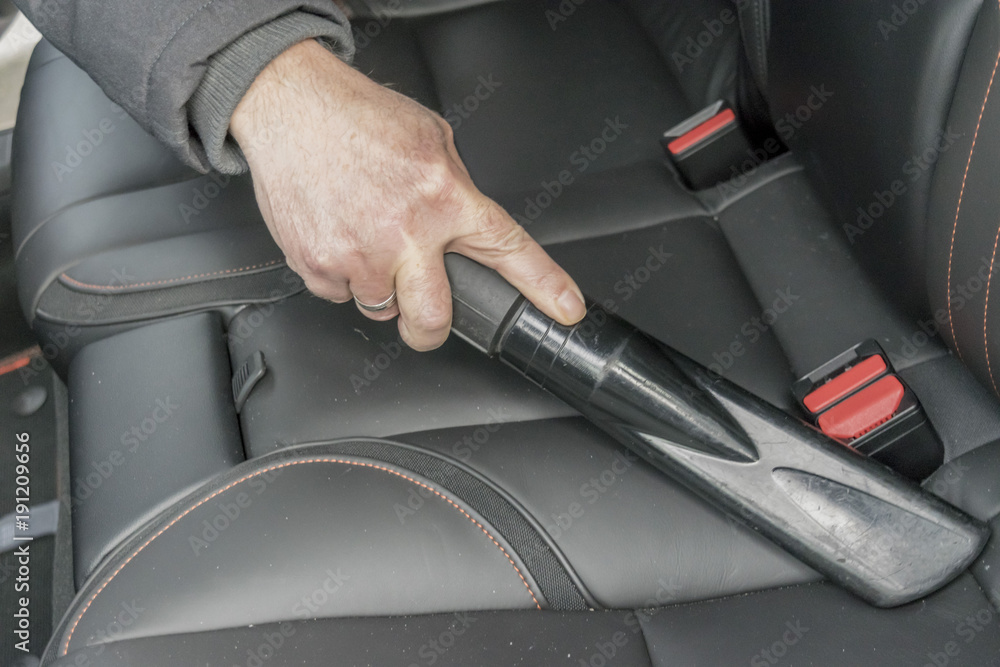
{"x":858,"y":399}
{"x":707,"y":147}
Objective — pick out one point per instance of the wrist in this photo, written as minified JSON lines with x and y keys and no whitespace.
{"x":280,"y":90}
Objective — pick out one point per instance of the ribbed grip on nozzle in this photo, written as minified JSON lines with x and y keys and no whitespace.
{"x":482,"y":302}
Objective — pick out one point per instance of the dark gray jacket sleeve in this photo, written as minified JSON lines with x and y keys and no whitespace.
{"x":152,"y":57}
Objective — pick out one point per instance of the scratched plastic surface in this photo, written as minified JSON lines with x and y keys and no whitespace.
{"x":852,"y":519}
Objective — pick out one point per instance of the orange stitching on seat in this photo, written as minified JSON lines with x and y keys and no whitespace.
{"x":76,"y":282}
{"x":961,"y":194}
{"x":76,"y":622}
{"x":986,"y":310}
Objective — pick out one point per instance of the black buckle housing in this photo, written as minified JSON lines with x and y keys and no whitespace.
{"x":707,"y":147}
{"x":906,"y":442}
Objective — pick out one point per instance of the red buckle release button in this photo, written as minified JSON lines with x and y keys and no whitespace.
{"x":701,"y":132}
{"x":856,"y":376}
{"x":860,"y":413}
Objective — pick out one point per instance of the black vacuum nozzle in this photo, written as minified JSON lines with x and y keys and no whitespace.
{"x":854,"y":520}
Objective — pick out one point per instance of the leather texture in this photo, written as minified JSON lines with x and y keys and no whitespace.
{"x":331,"y":532}
{"x":885,"y":90}
{"x":755,"y":29}
{"x":759,"y":280}
{"x":499,"y":72}
{"x":633,"y":536}
{"x":184,"y":260}
{"x":462,"y":639}
{"x":962,"y":247}
{"x":89,"y":181}
{"x":374,"y":385}
{"x":802,"y":624}
{"x":441,"y":556}
{"x":820,"y":624}
{"x":790,"y":244}
{"x":136,"y":451}
{"x":969,"y":482}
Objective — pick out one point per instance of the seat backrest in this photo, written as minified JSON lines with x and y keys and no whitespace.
{"x":964,"y":213}
{"x":894,"y":109}
{"x":861,"y":91}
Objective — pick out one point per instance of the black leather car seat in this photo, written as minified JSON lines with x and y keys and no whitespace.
{"x":111,"y":231}
{"x":327,"y":562}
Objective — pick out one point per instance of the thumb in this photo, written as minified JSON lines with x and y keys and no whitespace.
{"x":494,"y":239}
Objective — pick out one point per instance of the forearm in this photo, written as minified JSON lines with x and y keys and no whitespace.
{"x":152,"y":57}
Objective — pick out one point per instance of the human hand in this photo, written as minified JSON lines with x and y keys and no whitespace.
{"x":364,"y":191}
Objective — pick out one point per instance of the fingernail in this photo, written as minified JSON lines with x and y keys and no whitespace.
{"x":571,"y":306}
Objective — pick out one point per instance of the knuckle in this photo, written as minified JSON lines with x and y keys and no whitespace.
{"x":435,"y":315}
{"x":315,"y":260}
{"x":437,"y":182}
{"x":503,"y":235}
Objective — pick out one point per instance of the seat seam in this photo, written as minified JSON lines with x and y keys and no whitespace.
{"x":986,"y":310}
{"x":65,"y":646}
{"x":961,"y":195}
{"x":168,"y":281}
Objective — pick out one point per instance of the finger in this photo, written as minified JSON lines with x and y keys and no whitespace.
{"x":326,"y":287}
{"x":501,"y":244}
{"x":424,"y":299}
{"x":373,"y":290}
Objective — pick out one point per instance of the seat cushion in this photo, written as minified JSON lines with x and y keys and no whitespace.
{"x":151,"y":417}
{"x":813,"y":624}
{"x":578,"y":111}
{"x":350,"y":553}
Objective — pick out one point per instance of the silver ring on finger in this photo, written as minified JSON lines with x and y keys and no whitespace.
{"x":378,"y":307}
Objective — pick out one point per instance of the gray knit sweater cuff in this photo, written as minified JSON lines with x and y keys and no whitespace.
{"x":233,"y":69}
